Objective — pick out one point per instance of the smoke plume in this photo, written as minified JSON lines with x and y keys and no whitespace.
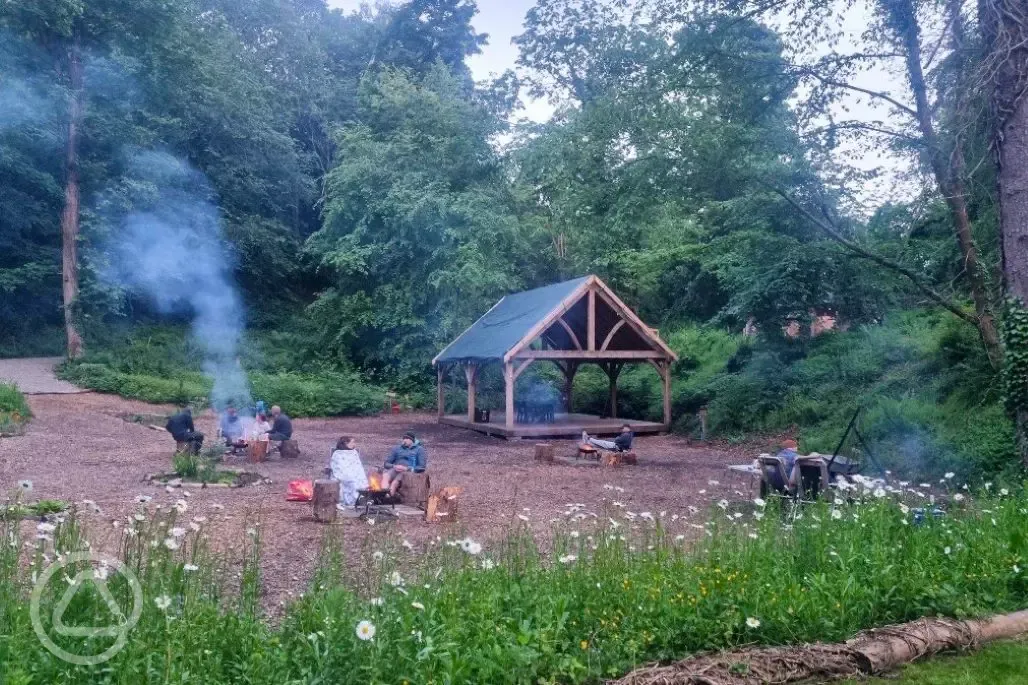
{"x":173,"y":252}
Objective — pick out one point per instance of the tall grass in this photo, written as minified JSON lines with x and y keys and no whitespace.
{"x":614,"y":589}
{"x":14,"y":410}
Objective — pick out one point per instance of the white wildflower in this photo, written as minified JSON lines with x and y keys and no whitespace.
{"x":366,"y":630}
{"x":190,"y":568}
{"x":178,"y":532}
{"x":950,"y":475}
{"x":395,"y":579}
{"x":418,"y":605}
{"x":723,"y":504}
{"x":568,"y":558}
{"x":171,"y":543}
{"x":376,"y":601}
{"x":488,"y":564}
{"x":752,"y":622}
{"x":162,"y":602}
{"x":760,"y":503}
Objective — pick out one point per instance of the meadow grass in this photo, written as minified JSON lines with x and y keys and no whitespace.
{"x":613,"y":590}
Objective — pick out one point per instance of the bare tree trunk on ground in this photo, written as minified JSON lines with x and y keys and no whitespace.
{"x":1005,"y":29}
{"x":70,"y":215}
{"x":949,"y":177}
{"x":871,"y":653}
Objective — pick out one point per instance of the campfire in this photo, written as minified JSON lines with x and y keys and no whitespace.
{"x":375,"y":483}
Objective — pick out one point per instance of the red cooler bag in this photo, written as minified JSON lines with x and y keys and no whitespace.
{"x":300,"y":491}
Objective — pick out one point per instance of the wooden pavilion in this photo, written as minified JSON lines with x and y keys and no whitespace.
{"x":570,"y":324}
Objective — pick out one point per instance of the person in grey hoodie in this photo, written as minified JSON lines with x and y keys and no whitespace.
{"x":407,"y":457}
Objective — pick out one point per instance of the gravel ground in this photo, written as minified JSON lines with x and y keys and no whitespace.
{"x":78,"y":448}
{"x":36,"y":376}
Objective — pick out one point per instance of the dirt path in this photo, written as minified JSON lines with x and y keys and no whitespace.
{"x":78,"y":448}
{"x":36,"y":376}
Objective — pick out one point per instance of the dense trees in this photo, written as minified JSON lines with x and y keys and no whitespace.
{"x":376,"y":199}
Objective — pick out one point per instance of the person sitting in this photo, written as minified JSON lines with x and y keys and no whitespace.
{"x":347,"y":468}
{"x":260,"y":428}
{"x":182,"y":429}
{"x":622,"y":443}
{"x":281,"y":425}
{"x":788,"y":454}
{"x":231,"y":428}
{"x":408,"y":456}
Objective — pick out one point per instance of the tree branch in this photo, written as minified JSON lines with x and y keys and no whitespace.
{"x":914,"y":278}
{"x":849,"y":86}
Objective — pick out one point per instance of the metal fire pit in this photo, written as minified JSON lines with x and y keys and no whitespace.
{"x":377,"y":503}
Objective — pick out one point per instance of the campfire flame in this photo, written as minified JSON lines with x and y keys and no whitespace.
{"x":374,"y":481}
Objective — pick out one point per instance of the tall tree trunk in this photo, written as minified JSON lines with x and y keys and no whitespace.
{"x":949,"y":177}
{"x":1005,"y":27}
{"x":70,"y":216}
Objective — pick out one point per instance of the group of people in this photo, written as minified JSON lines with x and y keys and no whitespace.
{"x":409,"y":456}
{"x":236,"y":432}
{"x":233,"y":429}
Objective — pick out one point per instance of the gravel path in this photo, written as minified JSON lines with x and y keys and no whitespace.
{"x":78,"y":448}
{"x":36,"y":376}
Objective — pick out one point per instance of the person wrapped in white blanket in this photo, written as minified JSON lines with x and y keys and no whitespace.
{"x":348,"y":470}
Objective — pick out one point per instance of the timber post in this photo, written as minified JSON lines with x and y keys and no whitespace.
{"x":508,"y":387}
{"x":471,"y":373}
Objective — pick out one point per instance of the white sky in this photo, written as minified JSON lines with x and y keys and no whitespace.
{"x":502,"y":20}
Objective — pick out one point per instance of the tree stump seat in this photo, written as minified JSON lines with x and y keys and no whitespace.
{"x":326,"y":497}
{"x":289,"y":449}
{"x":629,"y":458}
{"x":544,"y":452}
{"x":414,"y":489}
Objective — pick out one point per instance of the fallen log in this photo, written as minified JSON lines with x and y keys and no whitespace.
{"x":870,"y":653}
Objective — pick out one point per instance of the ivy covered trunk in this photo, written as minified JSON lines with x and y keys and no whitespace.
{"x":1005,"y":27}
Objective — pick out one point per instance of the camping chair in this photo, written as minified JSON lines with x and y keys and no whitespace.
{"x":773,"y":478}
{"x":813,"y":477}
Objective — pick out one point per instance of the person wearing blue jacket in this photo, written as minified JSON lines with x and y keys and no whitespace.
{"x":407,"y":457}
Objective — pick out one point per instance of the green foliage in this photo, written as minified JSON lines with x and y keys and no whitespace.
{"x":590,"y":607}
{"x":161,"y":365}
{"x":14,"y":410}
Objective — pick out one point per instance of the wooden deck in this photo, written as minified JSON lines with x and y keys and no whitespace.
{"x":565,"y":426}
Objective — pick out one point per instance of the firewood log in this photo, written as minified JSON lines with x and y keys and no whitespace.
{"x":326,"y":497}
{"x":442,"y":505}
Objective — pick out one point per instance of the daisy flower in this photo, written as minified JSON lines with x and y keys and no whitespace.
{"x":366,"y":630}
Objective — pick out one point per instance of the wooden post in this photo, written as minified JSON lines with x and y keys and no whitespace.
{"x":569,"y":382}
{"x":508,"y":386}
{"x":440,"y":394}
{"x":666,"y":366}
{"x":613,"y":370}
{"x":471,"y":373}
{"x":591,"y":322}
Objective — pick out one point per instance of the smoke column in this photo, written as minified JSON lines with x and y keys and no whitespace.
{"x":174,"y":253}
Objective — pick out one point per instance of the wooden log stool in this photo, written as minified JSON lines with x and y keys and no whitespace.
{"x":629,"y":458}
{"x":289,"y":449}
{"x":610,"y":458}
{"x":414,"y":489}
{"x":587,"y":451}
{"x":326,"y":497}
{"x":544,"y":452}
{"x":257,"y":451}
